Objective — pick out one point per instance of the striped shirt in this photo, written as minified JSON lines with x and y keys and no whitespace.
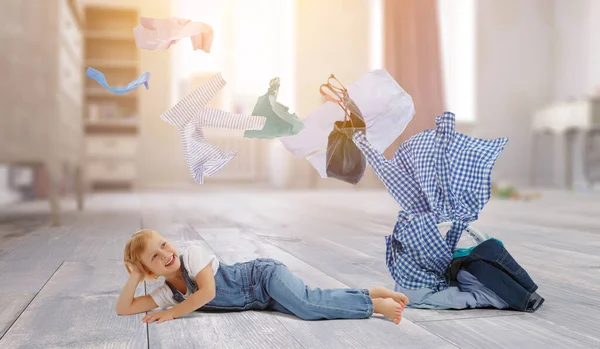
{"x":190,"y":115}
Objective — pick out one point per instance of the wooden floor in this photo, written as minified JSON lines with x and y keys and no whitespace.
{"x":58,"y":286}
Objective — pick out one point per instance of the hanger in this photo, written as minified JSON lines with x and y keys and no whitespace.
{"x":334,"y":89}
{"x":274,"y":86}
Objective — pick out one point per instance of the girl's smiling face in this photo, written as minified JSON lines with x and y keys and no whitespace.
{"x":160,"y":257}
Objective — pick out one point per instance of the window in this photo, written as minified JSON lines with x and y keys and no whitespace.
{"x":376,"y":7}
{"x":188,"y":61}
{"x":457,"y":38}
{"x":456,"y":20}
{"x":254,"y":42}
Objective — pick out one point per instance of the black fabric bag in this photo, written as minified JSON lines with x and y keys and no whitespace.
{"x":345,"y":161}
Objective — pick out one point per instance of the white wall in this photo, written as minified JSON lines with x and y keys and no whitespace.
{"x":577,"y":48}
{"x":515,"y":76}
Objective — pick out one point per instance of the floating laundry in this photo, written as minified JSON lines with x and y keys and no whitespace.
{"x":279,"y":120}
{"x":386,"y":109}
{"x":436,"y":176}
{"x":190,"y":115}
{"x":344,"y":160}
{"x":101,"y":79}
{"x":160,"y":34}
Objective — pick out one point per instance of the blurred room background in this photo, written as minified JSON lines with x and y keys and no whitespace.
{"x":527,"y":70}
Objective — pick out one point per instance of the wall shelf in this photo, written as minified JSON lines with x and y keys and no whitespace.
{"x":109,"y":35}
{"x":111,"y":132}
{"x":102,"y":93}
{"x":108,"y":64}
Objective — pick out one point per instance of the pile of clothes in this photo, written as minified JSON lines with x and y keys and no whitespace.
{"x":442,"y":177}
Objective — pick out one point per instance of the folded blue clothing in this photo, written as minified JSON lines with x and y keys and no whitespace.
{"x":465,"y":293}
{"x":119,"y":90}
{"x":462,"y":252}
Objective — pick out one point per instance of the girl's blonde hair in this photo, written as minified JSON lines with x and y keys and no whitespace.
{"x":133,"y":250}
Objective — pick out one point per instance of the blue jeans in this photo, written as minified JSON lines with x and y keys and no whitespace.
{"x":465,"y":293}
{"x":267,"y":284}
{"x":495,"y":268}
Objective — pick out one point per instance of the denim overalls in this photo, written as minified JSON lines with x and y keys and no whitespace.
{"x":267,"y":284}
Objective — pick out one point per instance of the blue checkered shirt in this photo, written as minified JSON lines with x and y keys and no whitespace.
{"x":436,"y":176}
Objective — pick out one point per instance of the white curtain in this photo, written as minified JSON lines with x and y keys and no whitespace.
{"x":457,"y":29}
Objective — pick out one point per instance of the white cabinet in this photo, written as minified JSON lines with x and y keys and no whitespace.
{"x":110,"y":170}
{"x":559,"y":117}
{"x":111,"y":158}
{"x":564,"y":152}
{"x":111,"y":146}
{"x":41,"y":90}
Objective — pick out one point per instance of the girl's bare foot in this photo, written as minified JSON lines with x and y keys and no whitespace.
{"x":382,"y":292}
{"x":389,"y":308}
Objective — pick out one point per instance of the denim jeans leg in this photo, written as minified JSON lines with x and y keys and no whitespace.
{"x":508,"y":263}
{"x":316,"y":304}
{"x":427,"y":298}
{"x":495,"y":254}
{"x":501,"y":284}
{"x":280,"y":308}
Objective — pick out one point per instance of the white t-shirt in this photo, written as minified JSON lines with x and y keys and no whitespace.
{"x":195,"y":258}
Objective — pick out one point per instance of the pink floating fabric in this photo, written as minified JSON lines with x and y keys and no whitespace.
{"x":160,"y":34}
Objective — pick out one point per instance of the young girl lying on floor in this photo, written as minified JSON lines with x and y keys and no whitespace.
{"x":196,"y":280}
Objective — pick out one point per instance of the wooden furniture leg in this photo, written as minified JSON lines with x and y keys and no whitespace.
{"x":592,"y":158}
{"x":53,"y":192}
{"x":79,"y":187}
